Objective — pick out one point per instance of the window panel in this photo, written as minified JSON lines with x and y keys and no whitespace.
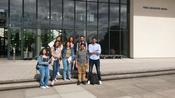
{"x":92,"y":16}
{"x":56,"y":13}
{"x":43,"y":13}
{"x":80,"y":15}
{"x":68,"y":14}
{"x":15,"y":13}
{"x":29,"y":13}
{"x":114,"y":17}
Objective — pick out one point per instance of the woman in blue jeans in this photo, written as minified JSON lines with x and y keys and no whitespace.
{"x":43,"y":61}
{"x":56,"y":55}
{"x":67,"y":57}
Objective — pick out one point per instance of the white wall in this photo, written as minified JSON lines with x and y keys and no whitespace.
{"x":153,"y":30}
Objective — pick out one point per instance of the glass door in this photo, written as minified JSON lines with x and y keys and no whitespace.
{"x":14,"y":49}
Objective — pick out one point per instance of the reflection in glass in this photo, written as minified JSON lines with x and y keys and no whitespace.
{"x":114,"y":17}
{"x":103,"y":20}
{"x":68,"y":15}
{"x":56,"y":13}
{"x":80,"y":15}
{"x":46,"y":37}
{"x":15,"y":13}
{"x":29,"y":43}
{"x":91,"y":19}
{"x":4,"y":4}
{"x":104,"y":41}
{"x":15,"y":44}
{"x":29,"y":13}
{"x":123,"y":16}
{"x":43,"y":13}
{"x":115,"y":1}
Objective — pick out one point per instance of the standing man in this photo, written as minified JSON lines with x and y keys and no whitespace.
{"x":94,"y":59}
{"x":81,"y":40}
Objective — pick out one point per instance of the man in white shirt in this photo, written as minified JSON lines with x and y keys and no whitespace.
{"x":94,"y":59}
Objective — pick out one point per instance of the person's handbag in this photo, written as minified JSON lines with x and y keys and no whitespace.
{"x":37,"y":66}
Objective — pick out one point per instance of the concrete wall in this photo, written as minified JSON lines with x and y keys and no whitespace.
{"x":152,"y":28}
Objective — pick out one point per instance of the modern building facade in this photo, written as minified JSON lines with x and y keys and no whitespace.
{"x":28,"y":25}
{"x":131,"y":28}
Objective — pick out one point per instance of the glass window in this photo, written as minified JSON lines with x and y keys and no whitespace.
{"x":124,"y":43}
{"x":103,"y":17}
{"x":104,"y":41}
{"x":91,"y":19}
{"x":80,"y":15}
{"x":103,"y":0}
{"x":15,"y":43}
{"x":4,"y":4}
{"x":92,"y":0}
{"x":115,"y":37}
{"x":68,"y":15}
{"x":115,"y":1}
{"x":123,"y":17}
{"x":124,"y":1}
{"x":56,"y":13}
{"x":43,"y":13}
{"x":15,"y":13}
{"x":29,"y":13}
{"x":29,"y":43}
{"x":114,"y":17}
{"x":46,"y":37}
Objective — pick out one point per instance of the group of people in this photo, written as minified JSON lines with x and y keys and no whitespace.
{"x":80,"y":54}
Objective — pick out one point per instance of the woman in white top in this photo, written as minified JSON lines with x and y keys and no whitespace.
{"x":56,"y":55}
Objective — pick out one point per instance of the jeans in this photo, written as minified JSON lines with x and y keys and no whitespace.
{"x":44,"y":75}
{"x":56,"y":68}
{"x":66,"y":69}
{"x":97,"y":65}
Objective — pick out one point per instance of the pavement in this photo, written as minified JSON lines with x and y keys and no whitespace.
{"x":145,"y":87}
{"x":21,"y":71}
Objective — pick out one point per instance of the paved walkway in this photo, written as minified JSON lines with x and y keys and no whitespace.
{"x":25,"y":69}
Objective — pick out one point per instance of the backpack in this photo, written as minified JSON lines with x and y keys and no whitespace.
{"x":94,"y":79}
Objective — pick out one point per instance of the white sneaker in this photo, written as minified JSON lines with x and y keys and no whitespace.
{"x":58,"y":74}
{"x":46,"y":86}
{"x":88,"y":82}
{"x":100,"y":82}
{"x":55,"y":79}
{"x":43,"y":87}
{"x":52,"y":83}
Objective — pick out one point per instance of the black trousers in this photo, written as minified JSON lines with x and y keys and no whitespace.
{"x":97,"y":65}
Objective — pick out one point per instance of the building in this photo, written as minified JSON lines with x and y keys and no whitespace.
{"x":131,"y":28}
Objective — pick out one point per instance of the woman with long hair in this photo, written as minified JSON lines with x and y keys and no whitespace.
{"x":67,"y":57}
{"x":56,"y":55}
{"x":43,"y":62}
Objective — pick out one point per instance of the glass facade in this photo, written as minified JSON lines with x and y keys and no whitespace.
{"x":28,"y":25}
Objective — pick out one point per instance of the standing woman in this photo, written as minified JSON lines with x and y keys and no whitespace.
{"x":72,"y":45}
{"x":67,"y":57}
{"x":43,"y":61}
{"x":56,"y":55}
{"x":71,"y":40}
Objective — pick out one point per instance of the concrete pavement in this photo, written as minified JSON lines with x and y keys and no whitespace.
{"x":25,"y":69}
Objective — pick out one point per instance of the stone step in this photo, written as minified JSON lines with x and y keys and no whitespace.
{"x":34,"y":83}
{"x":103,"y":74}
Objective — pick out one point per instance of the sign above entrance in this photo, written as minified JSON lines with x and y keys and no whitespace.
{"x":155,"y":8}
